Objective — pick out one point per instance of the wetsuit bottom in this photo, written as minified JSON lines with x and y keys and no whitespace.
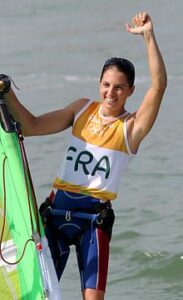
{"x":91,"y":241}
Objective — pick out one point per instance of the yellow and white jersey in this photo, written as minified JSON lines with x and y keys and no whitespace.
{"x":97,"y":156}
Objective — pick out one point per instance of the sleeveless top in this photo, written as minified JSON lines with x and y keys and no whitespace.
{"x":97,"y":156}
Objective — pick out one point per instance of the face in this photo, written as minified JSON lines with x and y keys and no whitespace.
{"x":114,"y":90}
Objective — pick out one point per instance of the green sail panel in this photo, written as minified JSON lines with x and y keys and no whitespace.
{"x":26,"y":270}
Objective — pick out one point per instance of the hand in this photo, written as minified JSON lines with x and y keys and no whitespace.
{"x":5,"y":83}
{"x":141,"y":23}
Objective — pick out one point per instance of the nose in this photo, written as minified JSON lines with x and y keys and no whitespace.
{"x":110,"y":92}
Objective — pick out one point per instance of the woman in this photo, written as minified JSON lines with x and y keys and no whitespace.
{"x":104,"y":139}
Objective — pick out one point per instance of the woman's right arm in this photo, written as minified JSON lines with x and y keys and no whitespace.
{"x":48,"y":123}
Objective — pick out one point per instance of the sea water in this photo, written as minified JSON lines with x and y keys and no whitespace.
{"x":54,"y":50}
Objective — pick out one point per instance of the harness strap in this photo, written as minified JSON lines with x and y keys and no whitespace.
{"x":81,"y":215}
{"x":101,"y":215}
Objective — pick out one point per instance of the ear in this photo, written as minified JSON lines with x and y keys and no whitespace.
{"x":131,"y":90}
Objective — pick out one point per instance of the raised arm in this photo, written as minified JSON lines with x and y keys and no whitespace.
{"x":142,"y":121}
{"x":48,"y":123}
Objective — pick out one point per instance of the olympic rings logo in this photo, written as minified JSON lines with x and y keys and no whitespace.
{"x":96,"y":129}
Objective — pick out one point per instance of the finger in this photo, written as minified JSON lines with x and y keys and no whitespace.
{"x":131,"y":29}
{"x":128,"y":27}
{"x":141,"y":18}
{"x":144,"y":16}
{"x":135,"y":20}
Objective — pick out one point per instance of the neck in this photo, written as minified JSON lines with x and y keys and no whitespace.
{"x":107,"y":113}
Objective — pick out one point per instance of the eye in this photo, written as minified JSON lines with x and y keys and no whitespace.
{"x":105,"y":84}
{"x":119,"y":87}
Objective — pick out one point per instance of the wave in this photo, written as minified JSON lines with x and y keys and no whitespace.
{"x":57,"y":81}
{"x":162,"y":265}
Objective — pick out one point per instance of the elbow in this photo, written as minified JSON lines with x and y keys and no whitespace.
{"x":164,"y":82}
{"x":164,"y":86}
{"x":161,"y":86}
{"x":25,"y":132}
{"x":27,"y":128}
{"x":160,"y":81}
{"x":162,"y":89}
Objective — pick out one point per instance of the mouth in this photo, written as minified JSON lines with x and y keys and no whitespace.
{"x":110,"y":101}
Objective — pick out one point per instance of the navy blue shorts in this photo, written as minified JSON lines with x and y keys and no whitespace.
{"x":91,"y":241}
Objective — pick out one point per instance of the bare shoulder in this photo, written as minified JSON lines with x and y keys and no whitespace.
{"x":77,"y":105}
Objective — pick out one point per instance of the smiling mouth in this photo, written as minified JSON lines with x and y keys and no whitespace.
{"x":110,"y":100}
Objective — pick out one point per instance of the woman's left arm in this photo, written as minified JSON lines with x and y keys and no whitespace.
{"x":143,"y":119}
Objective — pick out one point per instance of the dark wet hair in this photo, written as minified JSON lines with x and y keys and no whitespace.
{"x":123,"y":65}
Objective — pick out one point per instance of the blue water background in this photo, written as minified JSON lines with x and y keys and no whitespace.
{"x":55,"y":51}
